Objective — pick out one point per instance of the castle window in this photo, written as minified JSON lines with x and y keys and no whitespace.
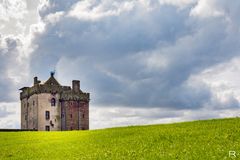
{"x":33,"y":103}
{"x":47,"y":128}
{"x":71,"y":115}
{"x":51,"y":123}
{"x":83,"y":116}
{"x":47,"y":115}
{"x":53,"y":102}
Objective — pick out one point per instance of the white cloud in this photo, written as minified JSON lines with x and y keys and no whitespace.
{"x":93,"y":10}
{"x":54,"y":17}
{"x":223,"y":80}
{"x":16,"y":45}
{"x":207,"y":8}
{"x":12,"y":9}
{"x":13,"y":67}
{"x":10,"y":115}
{"x":115,"y":116}
{"x":16,"y":16}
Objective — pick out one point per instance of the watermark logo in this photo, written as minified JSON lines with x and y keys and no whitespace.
{"x":232,"y":154}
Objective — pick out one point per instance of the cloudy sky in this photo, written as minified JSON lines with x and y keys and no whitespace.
{"x":143,"y":61}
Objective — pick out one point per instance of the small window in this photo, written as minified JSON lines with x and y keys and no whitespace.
{"x":53,"y":102}
{"x":25,"y":117}
{"x":83,"y":116}
{"x":47,"y":128}
{"x":51,"y":123}
{"x":47,"y":115}
{"x":33,"y":103}
{"x":71,"y":115}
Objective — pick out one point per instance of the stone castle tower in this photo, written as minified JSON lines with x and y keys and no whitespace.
{"x":53,"y":107}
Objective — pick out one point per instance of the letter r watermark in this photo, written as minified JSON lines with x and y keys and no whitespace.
{"x":232,"y":154}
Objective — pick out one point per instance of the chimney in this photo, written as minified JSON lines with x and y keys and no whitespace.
{"x":36,"y":81}
{"x":52,"y":73}
{"x":76,"y":86}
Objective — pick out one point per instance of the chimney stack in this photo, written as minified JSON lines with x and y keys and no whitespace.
{"x":52,"y":73}
{"x":36,"y":81}
{"x":76,"y":86}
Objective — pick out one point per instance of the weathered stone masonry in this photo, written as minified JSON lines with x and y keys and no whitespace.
{"x":50,"y":106}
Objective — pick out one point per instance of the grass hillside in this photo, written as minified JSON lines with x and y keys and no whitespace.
{"x":210,"y":139}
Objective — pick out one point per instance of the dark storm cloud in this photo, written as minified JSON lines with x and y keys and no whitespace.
{"x":109,"y":39}
{"x":139,"y":57}
{"x":8,"y":56}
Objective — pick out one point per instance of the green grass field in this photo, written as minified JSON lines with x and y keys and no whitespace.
{"x":210,"y":139}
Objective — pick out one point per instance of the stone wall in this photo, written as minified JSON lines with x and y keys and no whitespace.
{"x":29,"y":113}
{"x":74,"y":115}
{"x":84,"y":117}
{"x":44,"y":104}
{"x":24,"y":114}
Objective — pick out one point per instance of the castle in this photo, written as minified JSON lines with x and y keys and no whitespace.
{"x":52,"y":107}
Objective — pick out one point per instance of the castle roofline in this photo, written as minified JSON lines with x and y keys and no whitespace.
{"x":52,"y":86}
{"x":52,"y":81}
{"x":23,"y":88}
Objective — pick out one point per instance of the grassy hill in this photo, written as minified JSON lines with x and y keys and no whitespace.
{"x":209,"y":139}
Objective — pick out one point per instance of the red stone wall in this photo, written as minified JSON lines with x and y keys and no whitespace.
{"x":75,"y":115}
{"x":84,"y":115}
